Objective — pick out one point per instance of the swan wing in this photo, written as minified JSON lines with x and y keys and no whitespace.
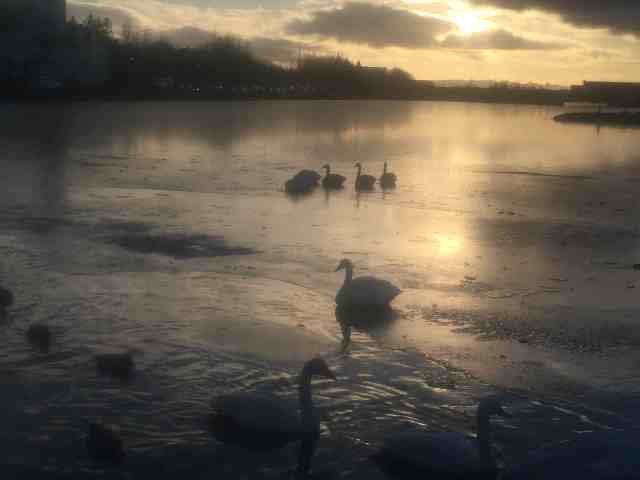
{"x":367,"y":291}
{"x":444,"y":452}
{"x":255,"y":412}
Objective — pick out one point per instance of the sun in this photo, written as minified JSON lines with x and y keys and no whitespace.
{"x":469,"y":23}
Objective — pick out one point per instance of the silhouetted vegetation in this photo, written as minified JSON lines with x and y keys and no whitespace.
{"x":85,"y":59}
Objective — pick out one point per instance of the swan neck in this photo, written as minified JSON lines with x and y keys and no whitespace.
{"x":307,"y":410}
{"x":484,"y":441}
{"x":359,"y":170}
{"x":328,"y":169}
{"x":384,"y":172}
{"x":348,"y":274}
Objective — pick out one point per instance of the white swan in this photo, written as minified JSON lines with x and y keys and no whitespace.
{"x":364,"y":292}
{"x":388,"y":179}
{"x":261,"y":423}
{"x":443,"y":454}
{"x":364,"y":182}
{"x":302,"y":182}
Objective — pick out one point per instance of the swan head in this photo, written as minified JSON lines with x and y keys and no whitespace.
{"x":357,"y":165}
{"x":345,"y":264}
{"x":492,"y":406}
{"x":326,"y":166}
{"x":319,"y":367}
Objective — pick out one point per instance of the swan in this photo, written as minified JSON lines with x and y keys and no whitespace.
{"x":388,"y":179}
{"x":104,"y":444}
{"x":260,"y":423}
{"x":443,"y":454}
{"x":332,"y":181}
{"x":364,"y":182}
{"x":6,"y":298}
{"x":302,"y":182}
{"x":364,"y":292}
{"x":39,"y":335}
{"x":119,"y":365}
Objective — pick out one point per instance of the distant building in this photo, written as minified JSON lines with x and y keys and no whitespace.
{"x":616,"y":93}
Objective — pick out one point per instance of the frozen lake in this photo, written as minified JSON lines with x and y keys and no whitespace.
{"x":162,"y":229}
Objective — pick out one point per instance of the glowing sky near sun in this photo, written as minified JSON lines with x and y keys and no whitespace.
{"x":518,"y":40}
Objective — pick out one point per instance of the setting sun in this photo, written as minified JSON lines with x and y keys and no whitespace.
{"x":469,"y":23}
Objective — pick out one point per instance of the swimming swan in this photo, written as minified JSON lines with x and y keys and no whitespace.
{"x":261,"y":423}
{"x":364,"y":182}
{"x":364,"y":292}
{"x":388,"y":179}
{"x":443,"y":454}
{"x":332,"y":181}
{"x":302,"y":182}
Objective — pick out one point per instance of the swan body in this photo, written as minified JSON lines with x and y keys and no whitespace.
{"x":364,"y":182}
{"x":6,"y":298}
{"x":443,"y":454}
{"x":104,"y":444}
{"x":261,"y":423}
{"x":39,"y":335}
{"x":332,"y":181}
{"x":388,"y":179}
{"x":364,"y":292}
{"x":119,"y":365}
{"x":302,"y":182}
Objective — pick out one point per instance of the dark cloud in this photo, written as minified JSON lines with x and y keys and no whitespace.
{"x":496,"y":40}
{"x":373,"y":25}
{"x":280,"y":50}
{"x":620,"y":16}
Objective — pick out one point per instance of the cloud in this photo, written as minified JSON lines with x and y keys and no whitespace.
{"x":374,"y":25}
{"x":619,"y":16}
{"x":496,"y":40}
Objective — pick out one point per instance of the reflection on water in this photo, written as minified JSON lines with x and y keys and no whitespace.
{"x":504,"y":226}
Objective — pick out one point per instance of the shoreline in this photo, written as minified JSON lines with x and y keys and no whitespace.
{"x":624,"y":119}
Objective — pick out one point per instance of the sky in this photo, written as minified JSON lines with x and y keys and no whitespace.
{"x":545,"y":41}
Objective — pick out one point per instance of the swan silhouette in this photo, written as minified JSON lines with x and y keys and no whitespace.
{"x":104,"y":444}
{"x":364,"y":292}
{"x":388,"y":179}
{"x":6,"y":298}
{"x":261,"y":423}
{"x":443,"y":454}
{"x":364,"y":182}
{"x":332,"y":181}
{"x":302,"y":182}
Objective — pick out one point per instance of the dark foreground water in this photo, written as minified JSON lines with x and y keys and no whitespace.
{"x":162,"y":230}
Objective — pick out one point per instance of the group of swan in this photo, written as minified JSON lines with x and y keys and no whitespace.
{"x":260,"y":423}
{"x":263,"y":423}
{"x":306,"y":180}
